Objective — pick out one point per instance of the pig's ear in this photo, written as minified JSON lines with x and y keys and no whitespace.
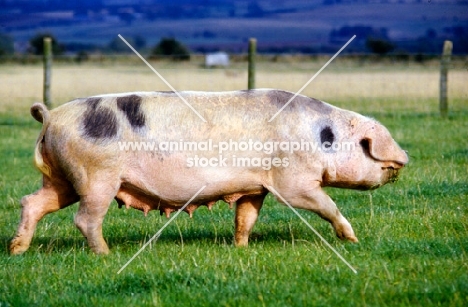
{"x":381,"y":145}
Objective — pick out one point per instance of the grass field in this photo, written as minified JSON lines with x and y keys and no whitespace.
{"x":413,"y":234}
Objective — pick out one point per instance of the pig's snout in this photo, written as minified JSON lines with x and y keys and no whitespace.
{"x":392,"y":165}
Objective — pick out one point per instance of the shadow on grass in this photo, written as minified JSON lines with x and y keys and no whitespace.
{"x":46,"y":244}
{"x":62,"y":244}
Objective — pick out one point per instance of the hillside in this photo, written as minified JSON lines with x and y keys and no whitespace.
{"x":280,"y":26}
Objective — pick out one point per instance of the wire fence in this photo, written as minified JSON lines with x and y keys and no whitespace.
{"x":363,"y":83}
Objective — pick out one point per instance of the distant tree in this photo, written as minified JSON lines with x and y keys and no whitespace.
{"x":171,"y":47}
{"x":37,"y":44}
{"x":6,"y":44}
{"x":362,"y":32}
{"x":379,"y":46}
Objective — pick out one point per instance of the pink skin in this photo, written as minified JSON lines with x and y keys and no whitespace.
{"x":77,"y":169}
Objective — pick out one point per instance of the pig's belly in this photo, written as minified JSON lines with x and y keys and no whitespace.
{"x":168,"y":186}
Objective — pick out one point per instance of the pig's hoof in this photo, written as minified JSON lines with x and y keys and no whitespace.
{"x":16,"y":248}
{"x":241,"y":243}
{"x":350,"y":238}
{"x":241,"y":239}
{"x":99,"y":249}
{"x":101,"y":252}
{"x":344,"y":231}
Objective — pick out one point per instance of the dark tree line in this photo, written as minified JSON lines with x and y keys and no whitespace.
{"x":167,"y":47}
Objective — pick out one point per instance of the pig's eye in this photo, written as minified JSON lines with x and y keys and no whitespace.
{"x":365,"y":145}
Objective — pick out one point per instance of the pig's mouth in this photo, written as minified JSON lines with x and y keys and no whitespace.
{"x":392,"y":174}
{"x":391,"y":170}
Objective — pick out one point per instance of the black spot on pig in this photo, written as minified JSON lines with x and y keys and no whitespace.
{"x":299,"y":103}
{"x":99,"y":123}
{"x":93,"y":102}
{"x":326,"y":135}
{"x":130,"y":106}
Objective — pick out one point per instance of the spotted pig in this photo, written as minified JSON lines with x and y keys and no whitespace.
{"x":80,"y":155}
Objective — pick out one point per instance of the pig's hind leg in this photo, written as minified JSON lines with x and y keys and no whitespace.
{"x":95,"y":199}
{"x":54,"y":195}
{"x":247,"y":210}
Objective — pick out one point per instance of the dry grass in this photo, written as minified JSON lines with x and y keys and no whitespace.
{"x":364,"y":89}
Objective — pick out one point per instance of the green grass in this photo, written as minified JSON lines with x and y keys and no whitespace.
{"x":412,"y":251}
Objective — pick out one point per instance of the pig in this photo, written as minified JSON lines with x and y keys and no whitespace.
{"x":80,"y":154}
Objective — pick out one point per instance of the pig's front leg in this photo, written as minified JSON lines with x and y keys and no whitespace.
{"x":316,"y":200}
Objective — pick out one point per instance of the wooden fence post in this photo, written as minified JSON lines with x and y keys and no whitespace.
{"x":444,"y":67}
{"x":47,"y":71}
{"x":252,"y":53}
